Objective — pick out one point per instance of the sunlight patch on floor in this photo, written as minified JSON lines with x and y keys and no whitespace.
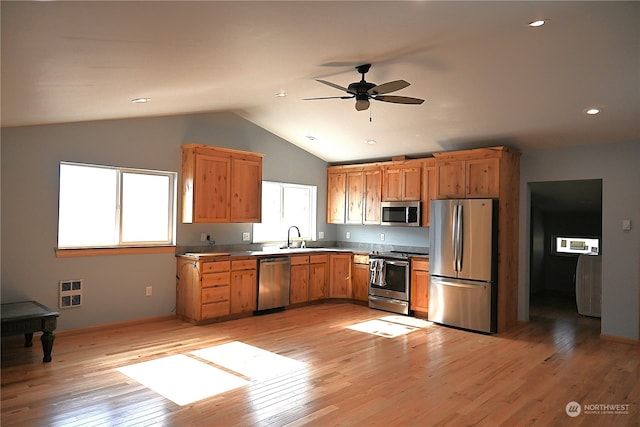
{"x":182,"y":379}
{"x":390,"y":326}
{"x":252,"y":362}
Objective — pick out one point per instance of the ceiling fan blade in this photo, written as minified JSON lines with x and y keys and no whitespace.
{"x":388,"y":87}
{"x":329,"y":97}
{"x":398,"y":99}
{"x":344,"y":89}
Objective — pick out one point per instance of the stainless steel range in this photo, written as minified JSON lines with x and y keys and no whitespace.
{"x":389,"y":281}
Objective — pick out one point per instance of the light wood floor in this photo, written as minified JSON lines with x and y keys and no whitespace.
{"x":433,"y":376}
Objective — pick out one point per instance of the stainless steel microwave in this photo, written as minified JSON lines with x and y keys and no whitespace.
{"x":400,"y":213}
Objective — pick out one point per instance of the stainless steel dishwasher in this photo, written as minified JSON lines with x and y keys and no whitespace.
{"x":274,"y":277}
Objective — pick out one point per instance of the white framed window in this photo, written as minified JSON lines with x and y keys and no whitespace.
{"x":106,"y":206}
{"x":285,"y":205}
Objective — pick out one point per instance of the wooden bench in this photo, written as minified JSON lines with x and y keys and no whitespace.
{"x":27,"y":317}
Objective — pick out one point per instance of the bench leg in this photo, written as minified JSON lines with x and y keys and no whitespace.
{"x":28,"y":339}
{"x":47,"y":345}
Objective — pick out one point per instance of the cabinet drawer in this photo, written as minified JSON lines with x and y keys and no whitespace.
{"x":215,"y":309}
{"x":216,"y":279}
{"x":244,"y":264}
{"x":300,"y":260}
{"x":215,"y":294}
{"x":317,"y":259}
{"x":420,"y":264}
{"x":213,"y":267}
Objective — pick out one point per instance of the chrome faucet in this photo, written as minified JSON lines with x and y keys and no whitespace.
{"x":289,"y":235}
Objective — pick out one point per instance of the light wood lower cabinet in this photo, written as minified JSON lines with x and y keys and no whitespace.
{"x":244,"y":275}
{"x":211,"y":289}
{"x":340,"y":276}
{"x":419,"y":285}
{"x":203,"y":289}
{"x":299,"y":290}
{"x":360,"y":282}
{"x":318,"y":277}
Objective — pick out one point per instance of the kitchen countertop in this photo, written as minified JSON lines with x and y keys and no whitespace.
{"x":262,"y":253}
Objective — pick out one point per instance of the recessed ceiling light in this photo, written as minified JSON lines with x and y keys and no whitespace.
{"x":538,"y":23}
{"x":311,"y":138}
{"x":140,"y":100}
{"x":370,"y":141}
{"x":281,"y":94}
{"x":592,"y":111}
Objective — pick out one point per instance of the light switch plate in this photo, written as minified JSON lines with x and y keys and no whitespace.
{"x":626,"y":224}
{"x":381,"y":236}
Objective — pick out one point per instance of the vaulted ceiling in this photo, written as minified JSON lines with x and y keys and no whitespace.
{"x":486,"y":76}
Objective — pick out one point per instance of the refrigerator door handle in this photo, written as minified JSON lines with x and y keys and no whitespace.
{"x":460,"y":239}
{"x":454,"y":237}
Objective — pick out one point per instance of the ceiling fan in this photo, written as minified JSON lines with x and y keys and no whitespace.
{"x":363,"y":91}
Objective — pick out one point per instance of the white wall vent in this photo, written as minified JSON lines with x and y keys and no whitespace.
{"x":70,"y":293}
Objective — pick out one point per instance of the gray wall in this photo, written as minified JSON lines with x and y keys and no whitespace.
{"x":114,"y":285}
{"x":617,"y":166}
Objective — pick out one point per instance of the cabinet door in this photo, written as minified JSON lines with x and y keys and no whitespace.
{"x":411,"y":183}
{"x":420,"y":290}
{"x":299,"y":291}
{"x":212,"y":189}
{"x":450,"y":179}
{"x":361,"y":282}
{"x":483,"y":178}
{"x":340,"y":276}
{"x":336,"y":197}
{"x":428,"y":192}
{"x":392,"y":183}
{"x":246,"y":189}
{"x":372,"y":195}
{"x":355,"y":197}
{"x":243,"y":291}
{"x":318,"y":274}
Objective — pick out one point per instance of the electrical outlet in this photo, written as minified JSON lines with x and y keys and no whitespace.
{"x":203,"y":237}
{"x":148,"y":291}
{"x":246,"y":236}
{"x":321,"y":235}
{"x":381,"y":236}
{"x":347,"y":235}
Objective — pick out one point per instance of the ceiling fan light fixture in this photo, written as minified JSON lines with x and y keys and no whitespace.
{"x":362,"y":104}
{"x":281,"y":94}
{"x":592,"y":111}
{"x":140,"y":100}
{"x":370,"y":141}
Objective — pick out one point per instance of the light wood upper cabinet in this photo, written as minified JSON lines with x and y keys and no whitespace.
{"x":372,"y":195}
{"x":467,"y":178}
{"x":246,"y":189}
{"x":428,"y":189}
{"x":220,"y":185}
{"x":402,"y":182}
{"x":336,"y":196}
{"x":353,"y":195}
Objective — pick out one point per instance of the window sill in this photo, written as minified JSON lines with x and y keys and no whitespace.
{"x":70,"y":253}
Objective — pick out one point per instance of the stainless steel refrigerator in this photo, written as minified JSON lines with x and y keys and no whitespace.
{"x":463,"y":263}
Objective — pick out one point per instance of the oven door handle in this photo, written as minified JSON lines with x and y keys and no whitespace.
{"x":398,"y":263}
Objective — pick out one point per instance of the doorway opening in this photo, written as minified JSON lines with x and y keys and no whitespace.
{"x":566,"y":225}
